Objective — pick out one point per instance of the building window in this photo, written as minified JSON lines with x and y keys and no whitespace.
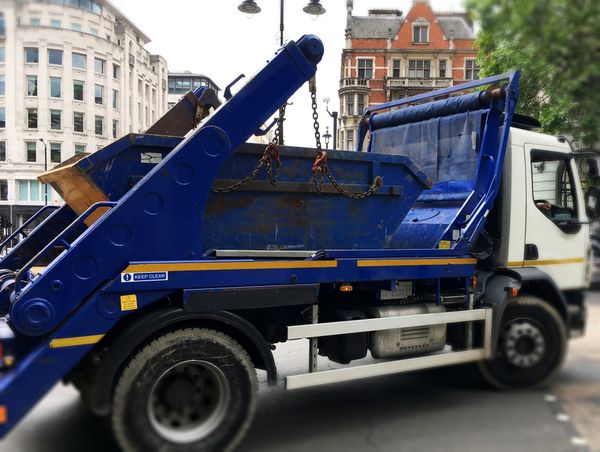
{"x":55,"y":87}
{"x":55,"y":23}
{"x":31,"y":151}
{"x":419,"y":68}
{"x":420,"y":34}
{"x":2,"y":117}
{"x":198,"y":82}
{"x":55,"y":152}
{"x":77,"y":121}
{"x":350,"y":104}
{"x":35,"y":22}
{"x":94,"y":31}
{"x":2,"y":151}
{"x":2,"y":85}
{"x":55,"y":57}
{"x":75,"y":26}
{"x":3,"y":190}
{"x":29,"y":190}
{"x":55,"y":119}
{"x":79,"y":148}
{"x":396,"y":68}
{"x":99,"y":125}
{"x":32,"y":118}
{"x":78,"y":87}
{"x":31,"y":85}
{"x":2,"y":25}
{"x":116,"y":72}
{"x":88,"y":5}
{"x":78,"y":60}
{"x":115,"y":128}
{"x":99,"y":94}
{"x":442,"y":68}
{"x":350,"y":140}
{"x":471,"y":70}
{"x":365,"y":68}
{"x":2,"y":54}
{"x":99,"y":64}
{"x":115,"y":99}
{"x":32,"y":55}
{"x":360,"y":104}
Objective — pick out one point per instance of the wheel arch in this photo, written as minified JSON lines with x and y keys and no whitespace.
{"x":538,"y":283}
{"x":96,"y":375}
{"x":493,"y":288}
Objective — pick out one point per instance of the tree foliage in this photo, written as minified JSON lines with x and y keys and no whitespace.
{"x":556,"y":45}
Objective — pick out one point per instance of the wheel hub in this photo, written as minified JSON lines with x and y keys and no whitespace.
{"x":188,"y":401}
{"x":524,"y":344}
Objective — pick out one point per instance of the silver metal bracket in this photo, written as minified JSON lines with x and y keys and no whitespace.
{"x":446,"y":358}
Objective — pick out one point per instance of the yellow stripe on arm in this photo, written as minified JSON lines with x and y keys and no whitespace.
{"x":75,"y":341}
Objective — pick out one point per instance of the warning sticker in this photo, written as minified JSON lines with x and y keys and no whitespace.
{"x":128,"y":302}
{"x":444,"y":245}
{"x":144,"y":277}
{"x":151,"y":157}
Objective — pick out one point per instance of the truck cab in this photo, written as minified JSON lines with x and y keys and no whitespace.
{"x":544,"y":217}
{"x":543,"y":230}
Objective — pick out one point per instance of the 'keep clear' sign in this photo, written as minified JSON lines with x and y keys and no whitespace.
{"x":144,"y":277}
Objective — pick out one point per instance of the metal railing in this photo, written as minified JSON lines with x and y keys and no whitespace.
{"x":60,"y":239}
{"x":22,"y":230}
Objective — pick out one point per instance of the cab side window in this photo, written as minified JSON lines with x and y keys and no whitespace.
{"x":553,"y":189}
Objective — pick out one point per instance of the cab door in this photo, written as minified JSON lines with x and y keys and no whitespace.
{"x":556,"y":236}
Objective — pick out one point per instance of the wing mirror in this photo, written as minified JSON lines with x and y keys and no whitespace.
{"x":592,"y":202}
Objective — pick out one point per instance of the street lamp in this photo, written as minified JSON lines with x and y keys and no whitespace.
{"x":45,"y":169}
{"x":313,"y":8}
{"x":327,"y":137}
{"x":334,"y":115}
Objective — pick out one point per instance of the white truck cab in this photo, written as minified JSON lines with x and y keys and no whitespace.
{"x":544,"y":221}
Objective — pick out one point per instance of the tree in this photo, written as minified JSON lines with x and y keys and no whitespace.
{"x":556,"y":44}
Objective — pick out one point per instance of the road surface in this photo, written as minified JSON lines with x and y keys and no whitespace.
{"x":440,"y":410}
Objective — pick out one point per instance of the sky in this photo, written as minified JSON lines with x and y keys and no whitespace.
{"x":212,"y":37}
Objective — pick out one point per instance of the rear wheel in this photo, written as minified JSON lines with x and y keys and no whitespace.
{"x":531,"y":346}
{"x":192,"y":389}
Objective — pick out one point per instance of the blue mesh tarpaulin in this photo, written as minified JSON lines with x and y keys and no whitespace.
{"x":445,"y":149}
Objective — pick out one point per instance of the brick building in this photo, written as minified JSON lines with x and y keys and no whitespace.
{"x":389,"y":56}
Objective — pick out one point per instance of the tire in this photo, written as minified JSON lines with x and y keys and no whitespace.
{"x":531,"y":346}
{"x":191,"y":389}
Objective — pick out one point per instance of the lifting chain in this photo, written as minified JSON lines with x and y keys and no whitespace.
{"x":320,"y":168}
{"x":270,"y":160}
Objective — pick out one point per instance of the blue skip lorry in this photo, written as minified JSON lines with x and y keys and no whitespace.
{"x":184,"y":254}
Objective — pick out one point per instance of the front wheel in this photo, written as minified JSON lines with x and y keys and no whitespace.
{"x":531,"y":346}
{"x":191,"y":389}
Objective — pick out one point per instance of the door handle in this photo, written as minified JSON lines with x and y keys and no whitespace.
{"x":531,"y":252}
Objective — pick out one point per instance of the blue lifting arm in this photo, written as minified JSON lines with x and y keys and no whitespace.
{"x":160,"y":218}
